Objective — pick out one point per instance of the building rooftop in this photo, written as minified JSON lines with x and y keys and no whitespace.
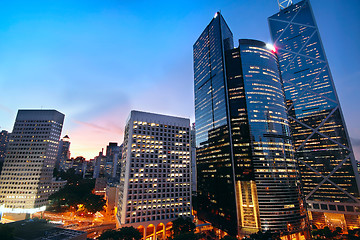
{"x":42,"y":230}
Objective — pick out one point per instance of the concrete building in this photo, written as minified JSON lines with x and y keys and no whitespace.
{"x":63,"y":158}
{"x":26,"y":179}
{"x":155,"y":182}
{"x":4,"y":139}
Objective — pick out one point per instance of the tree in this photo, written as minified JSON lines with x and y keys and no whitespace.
{"x":129,"y":233}
{"x":353,"y":234}
{"x":186,"y":236}
{"x":183,"y":225}
{"x":77,"y":193}
{"x":6,"y":232}
{"x":264,"y":236}
{"x":326,"y":233}
{"x":227,"y":237}
{"x":94,"y":203}
{"x":125,"y":233}
{"x":109,"y":235}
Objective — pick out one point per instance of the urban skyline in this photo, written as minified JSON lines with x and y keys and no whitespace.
{"x":104,"y":117}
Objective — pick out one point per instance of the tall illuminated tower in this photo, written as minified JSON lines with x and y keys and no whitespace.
{"x":247,"y":175}
{"x":328,"y":168}
{"x":25,"y":180}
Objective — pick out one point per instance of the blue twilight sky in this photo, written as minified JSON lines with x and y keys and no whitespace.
{"x":96,"y":60}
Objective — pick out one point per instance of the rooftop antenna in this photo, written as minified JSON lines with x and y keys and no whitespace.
{"x":284,"y":3}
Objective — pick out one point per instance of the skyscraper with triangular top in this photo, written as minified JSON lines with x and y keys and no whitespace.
{"x":323,"y":149}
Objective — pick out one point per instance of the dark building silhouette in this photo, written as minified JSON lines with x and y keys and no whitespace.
{"x":63,"y":161}
{"x":4,"y":139}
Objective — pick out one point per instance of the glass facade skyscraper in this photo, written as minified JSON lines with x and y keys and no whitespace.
{"x":323,"y":149}
{"x":247,"y":175}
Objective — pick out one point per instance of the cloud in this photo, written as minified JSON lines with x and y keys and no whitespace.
{"x":89,"y":137}
{"x":92,"y":125}
{"x":6,"y":109}
{"x":355,"y":142}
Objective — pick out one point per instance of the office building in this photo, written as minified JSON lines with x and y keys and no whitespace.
{"x":63,"y":159}
{"x":323,"y":150}
{"x":247,"y":175}
{"x":112,"y":160}
{"x":26,"y":179}
{"x":4,"y":139}
{"x":155,"y":174}
{"x":99,"y":165}
{"x":193,"y":159}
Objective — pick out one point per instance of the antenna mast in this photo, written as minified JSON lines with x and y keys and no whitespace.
{"x":284,"y":3}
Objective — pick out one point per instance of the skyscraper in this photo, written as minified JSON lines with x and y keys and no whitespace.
{"x":29,"y":163}
{"x":321,"y":141}
{"x":63,"y":157}
{"x":155,"y":172}
{"x":4,"y":140}
{"x":247,"y":175}
{"x":112,"y":160}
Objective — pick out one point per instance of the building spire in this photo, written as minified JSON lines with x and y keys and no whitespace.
{"x":284,"y":3}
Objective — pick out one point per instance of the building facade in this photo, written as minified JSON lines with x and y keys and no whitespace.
{"x":112,"y":160}
{"x":63,"y":161}
{"x":26,"y":179}
{"x":155,"y":182}
{"x":4,"y":139}
{"x":323,"y":149}
{"x":248,"y":179}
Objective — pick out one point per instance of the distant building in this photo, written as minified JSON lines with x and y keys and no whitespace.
{"x":99,"y":165}
{"x":111,"y":196}
{"x":29,"y":163}
{"x":56,"y":185}
{"x":63,"y":158}
{"x":100,"y":186}
{"x":155,"y":175}
{"x":4,"y":139}
{"x":112,"y":160}
{"x":90,"y":165}
{"x":193,"y":159}
{"x":79,"y":164}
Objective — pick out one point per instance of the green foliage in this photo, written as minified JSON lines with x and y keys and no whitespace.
{"x":227,"y":237}
{"x":186,"y":236}
{"x":353,"y":234}
{"x":263,"y":236}
{"x":109,"y":235}
{"x":94,"y":203}
{"x":70,"y":175}
{"x":6,"y":232}
{"x":326,"y":233}
{"x":77,"y":193}
{"x":183,"y":225}
{"x":125,"y":233}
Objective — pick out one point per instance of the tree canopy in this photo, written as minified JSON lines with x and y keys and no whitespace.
{"x":6,"y":232}
{"x":183,"y":225}
{"x":76,"y":193}
{"x":125,"y":233}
